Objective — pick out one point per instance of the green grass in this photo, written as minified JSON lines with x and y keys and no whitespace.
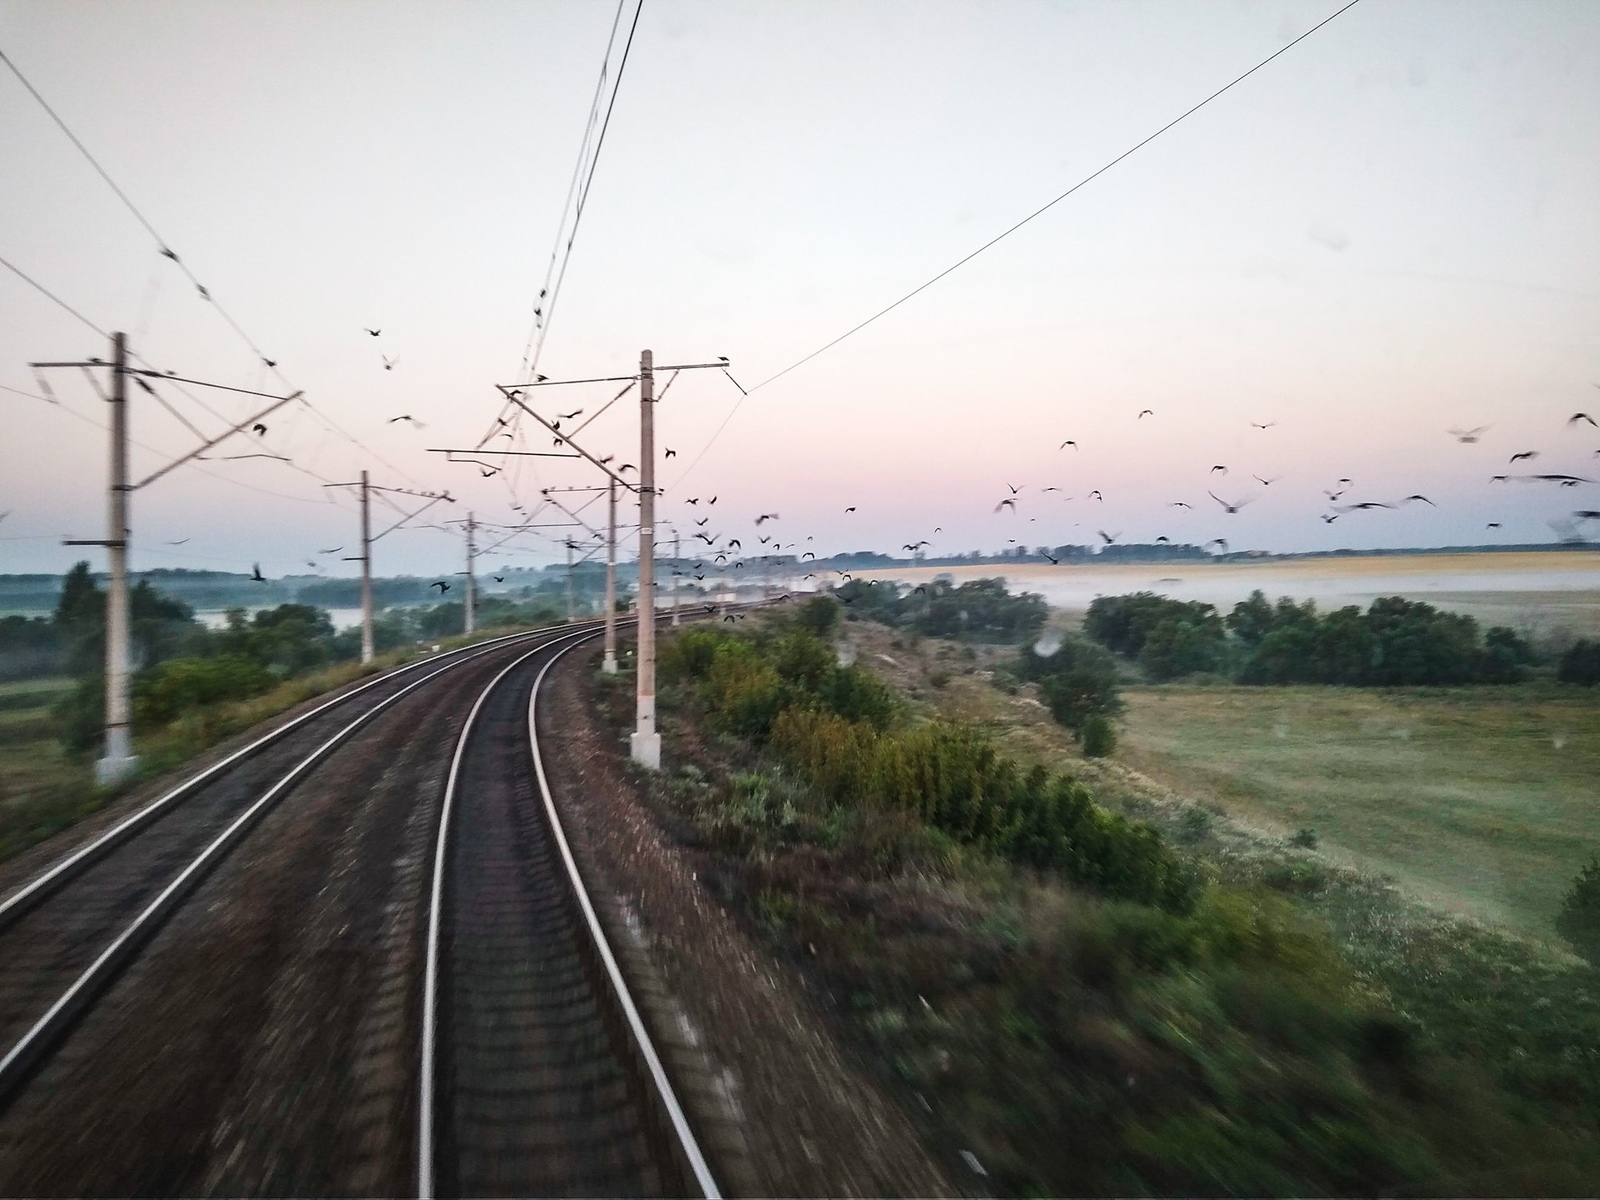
{"x":1480,"y":800}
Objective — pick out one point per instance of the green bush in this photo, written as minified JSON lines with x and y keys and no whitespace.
{"x":818,"y":615}
{"x":181,"y":685}
{"x":1099,"y":736}
{"x":980,"y":609}
{"x":1580,"y":664}
{"x":1077,"y":680}
{"x":1579,"y":918}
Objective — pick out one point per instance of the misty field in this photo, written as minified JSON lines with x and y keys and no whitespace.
{"x":1480,"y":800}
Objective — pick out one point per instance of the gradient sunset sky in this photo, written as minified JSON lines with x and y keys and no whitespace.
{"x":1390,"y":231}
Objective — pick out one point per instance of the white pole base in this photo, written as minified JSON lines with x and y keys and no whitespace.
{"x":118,"y":762}
{"x":645,"y":749}
{"x":610,"y":664}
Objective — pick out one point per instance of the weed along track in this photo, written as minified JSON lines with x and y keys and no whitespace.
{"x":220,"y":992}
{"x":538,"y":1076}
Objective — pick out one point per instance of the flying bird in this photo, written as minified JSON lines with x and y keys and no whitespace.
{"x":334,"y":550}
{"x":179,"y":542}
{"x":1180,"y":504}
{"x":1068,"y":442}
{"x":258,"y":429}
{"x":165,"y":253}
{"x":1363,"y":506}
{"x":1222,"y":542}
{"x":1581,"y":416}
{"x":413,"y":421}
{"x":713,"y":500}
{"x":703,"y":521}
{"x":1054,"y":562}
{"x":269,"y":361}
{"x":1468,"y":436}
{"x":1419,"y":496}
{"x":255,"y":573}
{"x":1326,"y":519}
{"x":1524,"y":454}
{"x":568,"y":416}
{"x":1259,"y":425}
{"x":851,"y":509}
{"x":1008,"y":502}
{"x":672,"y":453}
{"x":766,"y":517}
{"x":1096,"y":494}
{"x":1163,"y":538}
{"x":373,"y":332}
{"x":441,"y":585}
{"x":1109,"y":537}
{"x":1265,"y":482}
{"x":388,"y":363}
{"x":498,"y":578}
{"x":1492,"y":525}
{"x":1143,"y":413}
{"x":1227,"y":507}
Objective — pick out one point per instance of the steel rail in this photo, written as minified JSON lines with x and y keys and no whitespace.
{"x":430,"y":974}
{"x":25,"y":898}
{"x":32,"y":1046}
{"x":641,"y":1036}
{"x":664,"y":1091}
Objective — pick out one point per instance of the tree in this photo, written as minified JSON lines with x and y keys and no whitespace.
{"x":1580,"y":664}
{"x":1579,"y":918}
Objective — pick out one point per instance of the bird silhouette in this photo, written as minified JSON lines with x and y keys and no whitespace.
{"x":498,"y":578}
{"x":255,"y":573}
{"x":1326,"y":519}
{"x":1581,"y":416}
{"x":1148,"y":412}
{"x":1226,"y":506}
{"x":1526,"y":454}
{"x":373,"y":332}
{"x":334,"y":550}
{"x":713,"y":500}
{"x":672,"y":453}
{"x":1259,"y":425}
{"x":258,"y":429}
{"x":1222,"y":542}
{"x":1008,"y":502}
{"x":1419,"y":496}
{"x":851,"y":509}
{"x":179,"y":542}
{"x":413,"y":421}
{"x":1363,"y":506}
{"x":1055,"y":562}
{"x":692,"y":500}
{"x":578,"y":412}
{"x":1068,"y":442}
{"x":1096,"y":494}
{"x":201,"y":288}
{"x":1014,"y":490}
{"x":1265,"y":482}
{"x":1468,"y":436}
{"x":1180,"y":504}
{"x":1109,"y":537}
{"x":165,"y":253}
{"x":1163,"y":538}
{"x":766,"y":517}
{"x":1219,"y":469}
{"x":388,"y":363}
{"x":703,"y":521}
{"x":1492,"y":525}
{"x":270,"y":362}
{"x":441,"y":585}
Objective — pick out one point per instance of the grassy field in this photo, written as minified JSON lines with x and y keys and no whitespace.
{"x":1479,"y":800}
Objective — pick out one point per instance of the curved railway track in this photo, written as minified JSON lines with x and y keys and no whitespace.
{"x":132,"y":1063}
{"x":538,"y":1076}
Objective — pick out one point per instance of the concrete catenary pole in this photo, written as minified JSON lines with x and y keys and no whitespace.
{"x":472,"y":582}
{"x":609,"y":666}
{"x":572,"y":611}
{"x":366,"y":570}
{"x":118,"y":760}
{"x":677,"y":567}
{"x":645,"y":744}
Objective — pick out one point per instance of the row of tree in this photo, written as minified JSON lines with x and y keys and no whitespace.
{"x":981,"y":610}
{"x":180,"y":664}
{"x":1394,"y":642}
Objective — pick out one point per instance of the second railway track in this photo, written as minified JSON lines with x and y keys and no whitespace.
{"x":64,"y":944}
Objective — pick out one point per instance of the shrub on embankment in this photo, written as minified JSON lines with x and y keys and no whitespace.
{"x":846,"y":733}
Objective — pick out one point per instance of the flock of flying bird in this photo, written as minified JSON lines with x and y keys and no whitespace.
{"x":722,"y":552}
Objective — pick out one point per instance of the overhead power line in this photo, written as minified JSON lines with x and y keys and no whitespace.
{"x":167,"y":252}
{"x":1001,"y":236}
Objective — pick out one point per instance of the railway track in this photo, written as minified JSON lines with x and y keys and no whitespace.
{"x":536,"y":1073}
{"x":538,"y":1076}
